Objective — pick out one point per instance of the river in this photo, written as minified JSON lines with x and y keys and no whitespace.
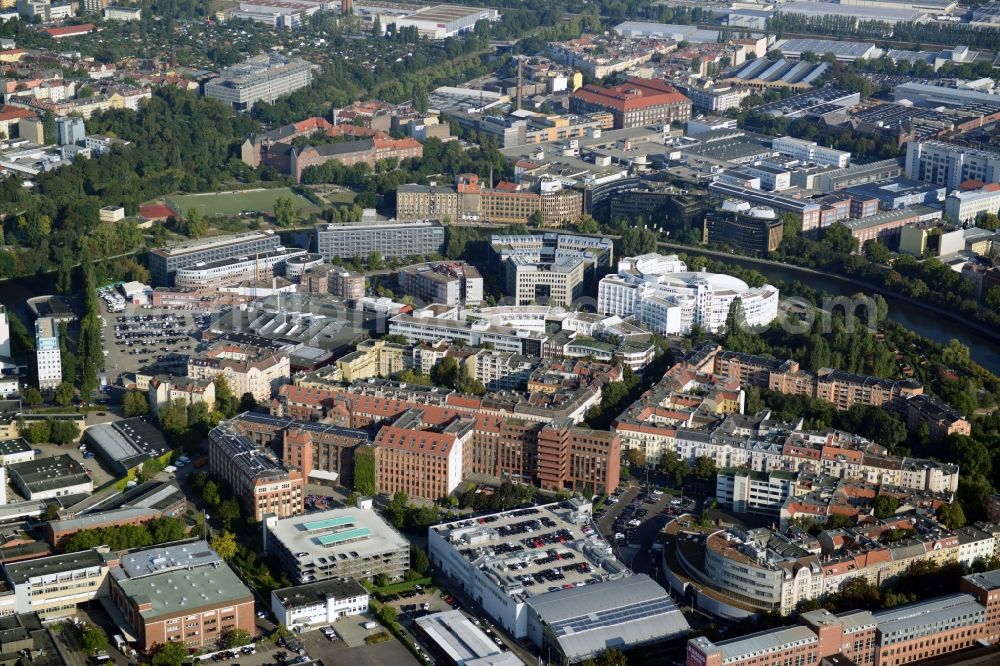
{"x":984,"y":350}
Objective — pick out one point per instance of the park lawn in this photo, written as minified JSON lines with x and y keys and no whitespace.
{"x":235,"y":203}
{"x":340,"y":197}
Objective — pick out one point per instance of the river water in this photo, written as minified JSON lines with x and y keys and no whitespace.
{"x":985,"y":350}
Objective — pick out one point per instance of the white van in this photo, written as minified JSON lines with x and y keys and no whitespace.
{"x":370,"y":624}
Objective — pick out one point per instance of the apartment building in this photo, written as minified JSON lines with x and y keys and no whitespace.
{"x":810,"y":151}
{"x":262,"y":78}
{"x":845,"y":389}
{"x":48,"y":357}
{"x":180,"y":592}
{"x":165,"y":262}
{"x":262,"y":484}
{"x":350,"y":543}
{"x":390,"y":239}
{"x":54,"y":586}
{"x":164,"y":390}
{"x":450,"y":283}
{"x":745,"y":491}
{"x":951,"y":165}
{"x":715,"y":98}
{"x":248,"y":369}
{"x":635,"y":103}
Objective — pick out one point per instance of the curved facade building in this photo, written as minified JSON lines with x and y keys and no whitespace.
{"x":254,"y":267}
{"x":296,"y":267}
{"x":662,"y":294}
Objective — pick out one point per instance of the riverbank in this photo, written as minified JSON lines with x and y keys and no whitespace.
{"x":983,"y":341}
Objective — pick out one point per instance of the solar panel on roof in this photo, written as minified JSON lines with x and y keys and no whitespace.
{"x":327,"y":523}
{"x":346,"y":535}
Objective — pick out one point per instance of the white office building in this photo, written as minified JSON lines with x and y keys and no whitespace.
{"x":255,"y":267}
{"x":4,"y":333}
{"x":810,"y":151}
{"x":308,"y":606}
{"x":48,"y":358}
{"x":660,"y":293}
{"x":966,"y":205}
{"x":951,"y":165}
{"x":262,"y":78}
{"x":744,"y":490}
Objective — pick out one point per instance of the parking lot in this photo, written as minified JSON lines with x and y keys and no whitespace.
{"x":631,"y":519}
{"x":152,"y":340}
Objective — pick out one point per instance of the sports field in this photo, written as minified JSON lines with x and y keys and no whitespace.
{"x":234,"y":203}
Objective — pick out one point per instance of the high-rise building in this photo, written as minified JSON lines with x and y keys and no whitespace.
{"x":390,"y":239}
{"x":951,"y":165}
{"x":70,"y":130}
{"x":262,"y":78}
{"x":4,"y":333}
{"x":48,"y":358}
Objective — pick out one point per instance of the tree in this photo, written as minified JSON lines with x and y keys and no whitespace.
{"x":445,"y":372}
{"x":32,"y":397}
{"x":876,"y":252}
{"x":224,"y":543}
{"x":364,"y":471}
{"x":951,"y":515}
{"x":228,"y":511}
{"x":885,"y":506}
{"x":635,"y":457}
{"x":612,"y":657}
{"x":285,"y":212}
{"x":418,"y":560}
{"x":248,"y":403}
{"x":64,"y":394}
{"x":676,"y":469}
{"x":134,"y":403}
{"x":637,"y":240}
{"x":63,"y":432}
{"x":173,"y":653}
{"x":210,"y":493}
{"x":704,"y":468}
{"x":94,"y":639}
{"x":234,"y":638}
{"x":225,"y":401}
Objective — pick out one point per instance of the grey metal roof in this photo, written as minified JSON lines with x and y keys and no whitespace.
{"x":989,"y":580}
{"x":760,"y":643}
{"x":616,"y":613}
{"x":914,"y":620}
{"x":464,"y":643}
{"x":21,"y":572}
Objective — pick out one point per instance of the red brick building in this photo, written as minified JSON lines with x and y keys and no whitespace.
{"x":181,"y":592}
{"x":635,"y":103}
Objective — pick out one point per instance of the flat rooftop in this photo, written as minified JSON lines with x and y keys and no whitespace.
{"x":463,"y":642}
{"x":319,"y":592}
{"x":530,"y":552}
{"x":12,"y":446}
{"x":44,"y":474}
{"x":174,"y":556}
{"x":19,"y":573}
{"x":102,"y":518}
{"x":177,"y":591}
{"x":337,"y":535}
{"x":128,"y":442}
{"x":214,"y":242}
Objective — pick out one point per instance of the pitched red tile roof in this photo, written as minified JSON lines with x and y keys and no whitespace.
{"x":69,"y":30}
{"x":631,"y":95}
